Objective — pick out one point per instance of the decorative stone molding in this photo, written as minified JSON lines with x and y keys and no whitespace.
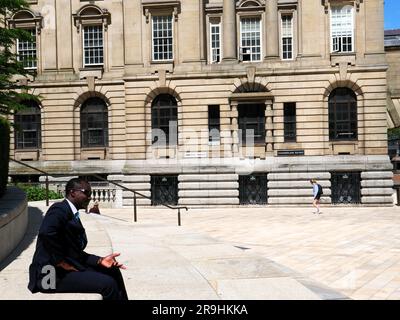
{"x":355,"y":3}
{"x":152,"y":6}
{"x":91,"y":15}
{"x":26,"y":19}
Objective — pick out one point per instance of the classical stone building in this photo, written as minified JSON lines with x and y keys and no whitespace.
{"x":392,"y":49}
{"x":206,"y":103}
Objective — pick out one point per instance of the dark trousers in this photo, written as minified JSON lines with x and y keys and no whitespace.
{"x":106,"y":281}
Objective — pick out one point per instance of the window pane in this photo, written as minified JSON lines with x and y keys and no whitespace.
{"x":252,"y":122}
{"x":162,"y":38}
{"x":250,"y":35}
{"x":342,"y":114}
{"x":342,"y":28}
{"x":28,"y":127}
{"x":26,"y":51}
{"x":163,"y":112}
{"x":94,"y":123}
{"x":93,"y":45}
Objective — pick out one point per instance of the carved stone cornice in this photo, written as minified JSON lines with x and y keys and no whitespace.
{"x":151,"y":6}
{"x":91,"y":14}
{"x":26,"y":19}
{"x":356,"y":4}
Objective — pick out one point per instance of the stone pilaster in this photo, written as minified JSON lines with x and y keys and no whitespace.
{"x":229,"y":49}
{"x":269,"y":133}
{"x":234,"y":129}
{"x":271,"y":30}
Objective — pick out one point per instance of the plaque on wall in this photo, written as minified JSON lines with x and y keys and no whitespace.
{"x":290,"y":153}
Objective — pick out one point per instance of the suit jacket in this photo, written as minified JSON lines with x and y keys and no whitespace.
{"x":61,"y":238}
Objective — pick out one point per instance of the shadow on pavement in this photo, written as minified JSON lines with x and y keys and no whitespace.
{"x":35,"y":217}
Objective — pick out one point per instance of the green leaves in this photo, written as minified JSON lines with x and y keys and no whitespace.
{"x":37,"y":193}
{"x":12,"y":93}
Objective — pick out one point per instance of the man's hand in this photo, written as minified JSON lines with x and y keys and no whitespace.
{"x":66,"y":266}
{"x":109,"y":261}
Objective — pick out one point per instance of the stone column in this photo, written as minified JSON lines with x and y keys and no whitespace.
{"x":269,"y":133}
{"x":229,"y":47}
{"x":235,"y":128}
{"x":271,"y":30}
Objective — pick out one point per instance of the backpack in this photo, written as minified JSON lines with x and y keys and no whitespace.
{"x":320,"y":190}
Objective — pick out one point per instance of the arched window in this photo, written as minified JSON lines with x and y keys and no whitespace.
{"x":163,"y":118}
{"x":342,"y":115}
{"x":28,"y":127}
{"x":94,"y":123}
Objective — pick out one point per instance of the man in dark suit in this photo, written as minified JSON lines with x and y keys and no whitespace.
{"x":60,"y":264}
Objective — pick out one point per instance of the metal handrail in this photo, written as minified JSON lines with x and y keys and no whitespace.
{"x":142,"y":195}
{"x":41,"y":171}
{"x":112,"y":182}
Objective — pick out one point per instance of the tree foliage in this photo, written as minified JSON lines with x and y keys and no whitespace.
{"x":12,"y":93}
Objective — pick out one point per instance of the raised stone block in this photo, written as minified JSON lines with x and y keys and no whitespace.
{"x":128,"y":202}
{"x":208,"y":193}
{"x":377,"y":200}
{"x":377,"y":191}
{"x":376,"y":175}
{"x":299,"y":176}
{"x":208,"y":201}
{"x":294,"y":192}
{"x":296,"y":184}
{"x":136,"y":178}
{"x":208,"y":185}
{"x":376,"y":183}
{"x":208,"y":177}
{"x":296,"y":200}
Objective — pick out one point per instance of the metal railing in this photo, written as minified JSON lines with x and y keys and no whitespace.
{"x":135,"y":193}
{"x":41,"y":171}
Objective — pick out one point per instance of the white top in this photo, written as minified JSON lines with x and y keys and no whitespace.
{"x":73,"y":208}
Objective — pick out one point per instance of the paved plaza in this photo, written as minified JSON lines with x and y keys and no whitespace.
{"x":238,"y":253}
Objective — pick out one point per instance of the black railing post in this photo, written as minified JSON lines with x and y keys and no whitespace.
{"x":134,"y":207}
{"x":398,"y":195}
{"x":47,"y":190}
{"x":179,"y":217}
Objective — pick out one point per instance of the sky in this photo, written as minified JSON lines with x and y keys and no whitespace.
{"x":392,"y":14}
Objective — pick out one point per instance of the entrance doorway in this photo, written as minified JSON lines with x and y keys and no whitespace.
{"x":164,"y":190}
{"x":346,"y":187}
{"x":253,"y":189}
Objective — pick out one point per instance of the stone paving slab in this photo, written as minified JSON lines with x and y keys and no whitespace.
{"x":165,"y":261}
{"x":170,"y":262}
{"x":264,"y":289}
{"x":346,"y":248}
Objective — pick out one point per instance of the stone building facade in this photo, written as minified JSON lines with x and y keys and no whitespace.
{"x":392,"y":49}
{"x":210,"y":102}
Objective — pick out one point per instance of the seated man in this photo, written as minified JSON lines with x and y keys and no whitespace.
{"x":60,"y":264}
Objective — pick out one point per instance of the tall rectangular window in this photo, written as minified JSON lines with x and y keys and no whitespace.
{"x":162,"y":38}
{"x":26,"y":51}
{"x":289,"y":122}
{"x":93,"y":49}
{"x":287,"y":37}
{"x":342,"y":29}
{"x":213,"y":123}
{"x":250,"y":39}
{"x":215,"y":42}
{"x":252,"y":122}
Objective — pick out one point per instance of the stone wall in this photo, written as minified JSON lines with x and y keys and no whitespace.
{"x":13,"y":220}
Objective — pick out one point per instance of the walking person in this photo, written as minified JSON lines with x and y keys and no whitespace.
{"x":317,"y":192}
{"x":60,"y":264}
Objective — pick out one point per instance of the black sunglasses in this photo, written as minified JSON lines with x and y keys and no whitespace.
{"x":87,"y":193}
